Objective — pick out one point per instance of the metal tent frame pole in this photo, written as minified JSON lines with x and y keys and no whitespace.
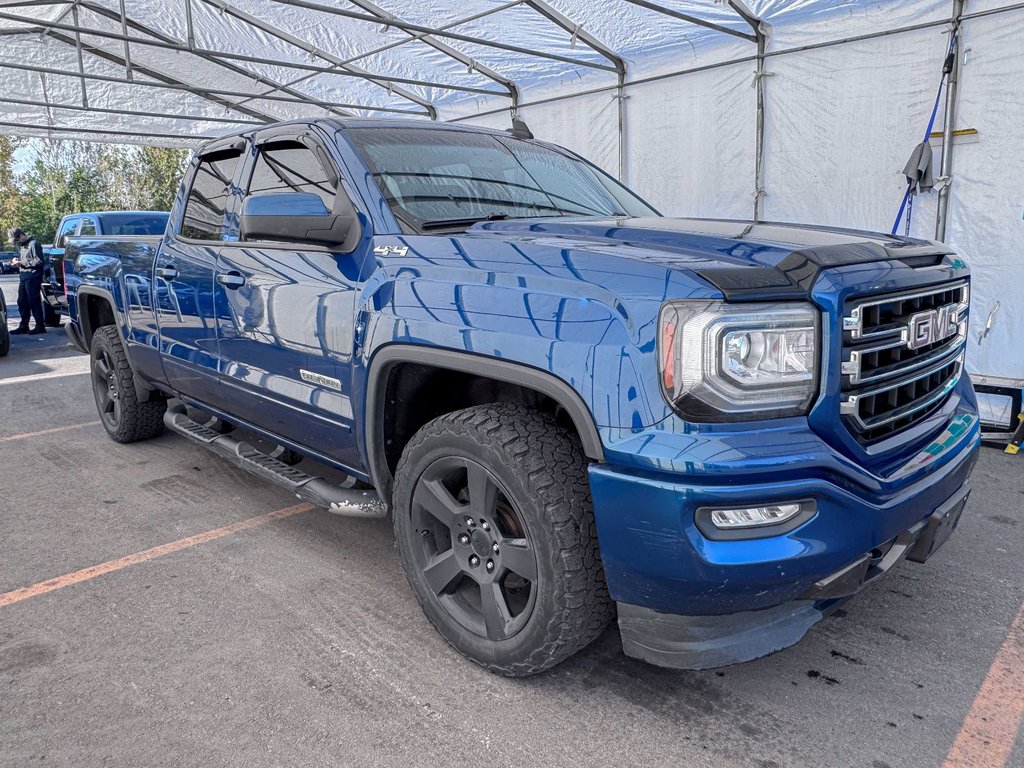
{"x":307,"y":47}
{"x":417,"y":36}
{"x":949,"y":125}
{"x":447,"y":50}
{"x":618,"y":62}
{"x":210,"y":94}
{"x":409,"y":27}
{"x":761,"y":38}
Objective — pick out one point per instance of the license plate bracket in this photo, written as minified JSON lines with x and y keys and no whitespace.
{"x":941,"y":524}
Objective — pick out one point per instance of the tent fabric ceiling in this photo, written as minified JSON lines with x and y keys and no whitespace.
{"x":197,"y":66}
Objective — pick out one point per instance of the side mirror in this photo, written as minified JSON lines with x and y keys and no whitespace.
{"x":300,"y":217}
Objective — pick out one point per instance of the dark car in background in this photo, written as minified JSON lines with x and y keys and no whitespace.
{"x":6,"y":254}
{"x":112,"y":223}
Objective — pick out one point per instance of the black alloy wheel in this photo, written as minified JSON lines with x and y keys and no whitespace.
{"x":125,"y":417}
{"x":473,"y":548}
{"x":496,"y":535}
{"x":105,"y":388}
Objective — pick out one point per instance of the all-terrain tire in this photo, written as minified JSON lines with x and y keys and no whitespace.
{"x":122,"y":415}
{"x":540,"y":469}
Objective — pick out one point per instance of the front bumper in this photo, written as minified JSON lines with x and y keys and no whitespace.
{"x":705,"y":642}
{"x":686,"y":600}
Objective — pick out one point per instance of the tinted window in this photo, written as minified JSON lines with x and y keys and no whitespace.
{"x":88,"y":227}
{"x":207,"y":200}
{"x":133,"y":223}
{"x":430,"y":177}
{"x":65,"y":232}
{"x":287,"y":166}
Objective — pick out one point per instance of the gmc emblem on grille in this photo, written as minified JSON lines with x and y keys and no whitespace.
{"x":933,"y":325}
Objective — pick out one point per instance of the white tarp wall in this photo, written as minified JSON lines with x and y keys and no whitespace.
{"x":841,"y":114}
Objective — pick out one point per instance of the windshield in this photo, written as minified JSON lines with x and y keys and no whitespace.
{"x":435,"y":179}
{"x":134,"y":223}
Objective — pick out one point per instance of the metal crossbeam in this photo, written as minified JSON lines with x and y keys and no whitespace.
{"x":163,"y":41}
{"x":413,"y":37}
{"x":190,"y":138}
{"x":162,"y":77}
{"x":409,"y":27}
{"x":692,"y":19}
{"x":134,"y":113}
{"x":170,"y":44}
{"x":446,"y":49}
{"x":197,"y":91}
{"x":127,"y":47}
{"x":577,"y":31}
{"x":242,"y":71}
{"x":308,"y":47}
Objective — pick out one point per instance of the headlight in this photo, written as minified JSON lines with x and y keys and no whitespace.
{"x":731,"y":362}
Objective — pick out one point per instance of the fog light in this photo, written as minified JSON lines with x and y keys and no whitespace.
{"x":747,"y":517}
{"x":754,"y":522}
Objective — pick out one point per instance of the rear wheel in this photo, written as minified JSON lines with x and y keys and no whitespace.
{"x":123,"y":416}
{"x":496,"y":534}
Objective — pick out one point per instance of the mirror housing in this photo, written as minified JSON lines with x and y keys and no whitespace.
{"x":300,"y":217}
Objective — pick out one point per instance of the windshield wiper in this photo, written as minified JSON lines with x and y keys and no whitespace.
{"x":466,"y":222}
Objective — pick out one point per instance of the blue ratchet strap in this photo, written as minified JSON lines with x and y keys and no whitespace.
{"x":947,"y":67}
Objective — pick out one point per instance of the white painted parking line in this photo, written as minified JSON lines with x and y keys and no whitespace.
{"x":53,"y":369}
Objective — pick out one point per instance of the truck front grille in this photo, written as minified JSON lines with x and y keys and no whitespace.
{"x":902,"y":354}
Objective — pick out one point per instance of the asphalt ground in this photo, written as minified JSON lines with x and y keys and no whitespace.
{"x":294,"y":640}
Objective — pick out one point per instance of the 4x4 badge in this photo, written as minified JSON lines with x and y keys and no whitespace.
{"x":397,"y":250}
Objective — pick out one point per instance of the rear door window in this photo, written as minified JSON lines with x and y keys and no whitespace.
{"x":134,"y":223}
{"x":288,"y":166}
{"x":207,"y":200}
{"x":88,"y":227}
{"x":68,"y":230}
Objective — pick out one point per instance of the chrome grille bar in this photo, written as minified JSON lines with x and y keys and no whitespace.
{"x":853,"y":323}
{"x":902,"y":355}
{"x":851,"y":404}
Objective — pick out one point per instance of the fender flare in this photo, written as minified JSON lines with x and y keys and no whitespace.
{"x":143,"y":390}
{"x":83,"y":317}
{"x":385,"y":358}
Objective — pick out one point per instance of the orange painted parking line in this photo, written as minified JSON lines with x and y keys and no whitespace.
{"x":987,"y":736}
{"x":40,"y":433}
{"x":68,"y":579}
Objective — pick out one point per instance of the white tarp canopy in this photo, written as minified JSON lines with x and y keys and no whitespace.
{"x":661,"y":93}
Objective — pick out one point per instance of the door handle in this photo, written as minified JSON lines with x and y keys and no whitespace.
{"x":167,"y":272}
{"x":232,"y":280}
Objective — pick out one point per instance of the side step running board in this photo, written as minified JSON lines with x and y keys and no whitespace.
{"x":316,"y":490}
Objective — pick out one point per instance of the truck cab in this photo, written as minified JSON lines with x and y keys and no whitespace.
{"x":575,"y":408}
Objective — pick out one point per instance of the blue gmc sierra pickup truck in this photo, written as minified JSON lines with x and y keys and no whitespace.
{"x":573,"y":407}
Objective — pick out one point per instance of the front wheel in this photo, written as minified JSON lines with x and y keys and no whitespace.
{"x":496,"y":535}
{"x":123,"y":416}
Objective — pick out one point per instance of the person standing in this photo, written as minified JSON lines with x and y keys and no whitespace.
{"x":31,"y":265}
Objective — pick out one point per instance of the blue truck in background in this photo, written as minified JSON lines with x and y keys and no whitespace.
{"x":88,"y":224}
{"x":575,"y":408}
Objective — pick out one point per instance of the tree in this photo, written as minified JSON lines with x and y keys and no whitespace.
{"x":72,"y":177}
{"x":8,"y":187}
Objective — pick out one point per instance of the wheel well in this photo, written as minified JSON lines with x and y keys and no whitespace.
{"x":96,"y":312}
{"x":415,"y":393}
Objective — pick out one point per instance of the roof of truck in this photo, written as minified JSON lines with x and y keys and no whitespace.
{"x":345,"y":123}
